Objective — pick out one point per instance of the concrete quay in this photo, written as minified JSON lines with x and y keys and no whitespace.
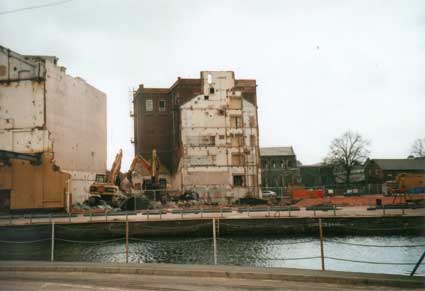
{"x":345,"y":212}
{"x":75,"y":276}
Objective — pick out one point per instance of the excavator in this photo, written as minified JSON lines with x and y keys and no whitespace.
{"x":154,"y":187}
{"x":106,"y":187}
{"x":404,"y":186}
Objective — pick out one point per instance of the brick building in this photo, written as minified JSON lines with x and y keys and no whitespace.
{"x":205,"y":132}
{"x":279,"y":167}
{"x":378,"y":171}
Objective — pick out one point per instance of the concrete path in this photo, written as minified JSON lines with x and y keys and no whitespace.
{"x":358,"y":211}
{"x":96,"y":276}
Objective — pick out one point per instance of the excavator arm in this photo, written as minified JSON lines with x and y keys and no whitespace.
{"x":116,"y":167}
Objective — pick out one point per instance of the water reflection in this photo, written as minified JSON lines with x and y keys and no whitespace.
{"x":242,"y":251}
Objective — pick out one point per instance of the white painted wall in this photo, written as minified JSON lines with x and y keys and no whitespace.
{"x":60,"y":114}
{"x":76,"y":120}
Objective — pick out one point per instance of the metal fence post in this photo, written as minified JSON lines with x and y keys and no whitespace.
{"x":248,"y":210}
{"x":91,"y":214}
{"x":202,"y":212}
{"x":383,"y":209}
{"x":417,"y":264}
{"x":30,"y":218}
{"x":334,"y":210}
{"x":69,"y":217}
{"x":289,"y":211}
{"x":181,"y":213}
{"x":106,"y":215}
{"x":126,"y":239}
{"x":214,"y":241}
{"x":52,"y":250}
{"x":403,"y":212}
{"x":322,"y":256}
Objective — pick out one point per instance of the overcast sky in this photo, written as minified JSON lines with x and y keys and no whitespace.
{"x":322,"y":67}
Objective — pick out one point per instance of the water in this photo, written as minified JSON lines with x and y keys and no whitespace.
{"x":237,"y":250}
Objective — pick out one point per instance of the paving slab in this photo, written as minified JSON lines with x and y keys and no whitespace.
{"x":228,"y":272}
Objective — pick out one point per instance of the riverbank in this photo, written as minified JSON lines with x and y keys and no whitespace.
{"x":259,"y":226}
{"x":259,"y":277}
{"x":208,"y":214}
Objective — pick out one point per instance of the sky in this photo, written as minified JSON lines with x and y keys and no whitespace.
{"x":322,"y":67}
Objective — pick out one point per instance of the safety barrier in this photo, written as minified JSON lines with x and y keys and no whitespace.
{"x":124,"y":237}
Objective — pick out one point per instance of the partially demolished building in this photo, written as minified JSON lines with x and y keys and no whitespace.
{"x":205,"y":132}
{"x":52,"y":133}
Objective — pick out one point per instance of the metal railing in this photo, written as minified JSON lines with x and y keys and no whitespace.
{"x":126,"y":237}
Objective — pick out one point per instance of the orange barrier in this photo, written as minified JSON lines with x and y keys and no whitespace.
{"x":307,"y":193}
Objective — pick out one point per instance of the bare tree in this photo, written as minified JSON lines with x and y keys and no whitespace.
{"x":418,"y":148}
{"x":346,"y":152}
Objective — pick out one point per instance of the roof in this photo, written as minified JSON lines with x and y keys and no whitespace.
{"x":277,"y":151}
{"x":400,"y":164}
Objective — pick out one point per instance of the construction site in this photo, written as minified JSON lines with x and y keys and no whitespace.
{"x":196,"y":144}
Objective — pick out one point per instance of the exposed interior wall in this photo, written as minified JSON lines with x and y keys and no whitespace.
{"x":44,"y":110}
{"x":42,"y":186}
{"x":220,"y":141}
{"x":22,"y":110}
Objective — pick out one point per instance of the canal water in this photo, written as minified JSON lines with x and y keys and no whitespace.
{"x":299,"y":252}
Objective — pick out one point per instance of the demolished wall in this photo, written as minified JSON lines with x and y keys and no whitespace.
{"x":45,"y":111}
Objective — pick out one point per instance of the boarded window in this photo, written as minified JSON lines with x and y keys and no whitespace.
{"x":200,"y":161}
{"x":238,"y":181}
{"x":253,"y":140}
{"x":221,"y":136}
{"x":206,"y":140}
{"x":149,"y":105}
{"x":235,"y":103}
{"x":161,"y":105}
{"x":252,"y":122}
{"x":237,"y":140}
{"x":236,"y":121}
{"x":238,"y":160}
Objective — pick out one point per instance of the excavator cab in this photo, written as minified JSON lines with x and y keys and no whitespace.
{"x":101,"y":178}
{"x":106,"y":187}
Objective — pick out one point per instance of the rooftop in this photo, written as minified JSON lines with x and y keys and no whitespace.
{"x":277,"y":151}
{"x":400,"y":164}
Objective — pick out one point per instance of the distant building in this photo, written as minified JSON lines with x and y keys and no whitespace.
{"x":317,"y":175}
{"x":52,"y":133}
{"x":205,"y":132}
{"x":378,"y":171}
{"x":279,"y":167}
{"x":357,"y":175}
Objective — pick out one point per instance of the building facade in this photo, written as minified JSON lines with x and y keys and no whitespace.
{"x":378,"y":171}
{"x":205,"y":132}
{"x":279,"y":167}
{"x":47,"y":113}
{"x":317,"y":175}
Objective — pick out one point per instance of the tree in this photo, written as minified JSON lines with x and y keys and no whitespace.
{"x":346,"y":152}
{"x":418,"y":148}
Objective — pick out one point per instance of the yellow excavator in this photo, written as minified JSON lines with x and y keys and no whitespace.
{"x":154,"y":186}
{"x":106,"y":187}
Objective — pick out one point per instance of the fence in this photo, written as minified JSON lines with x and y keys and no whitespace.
{"x":121,"y":238}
